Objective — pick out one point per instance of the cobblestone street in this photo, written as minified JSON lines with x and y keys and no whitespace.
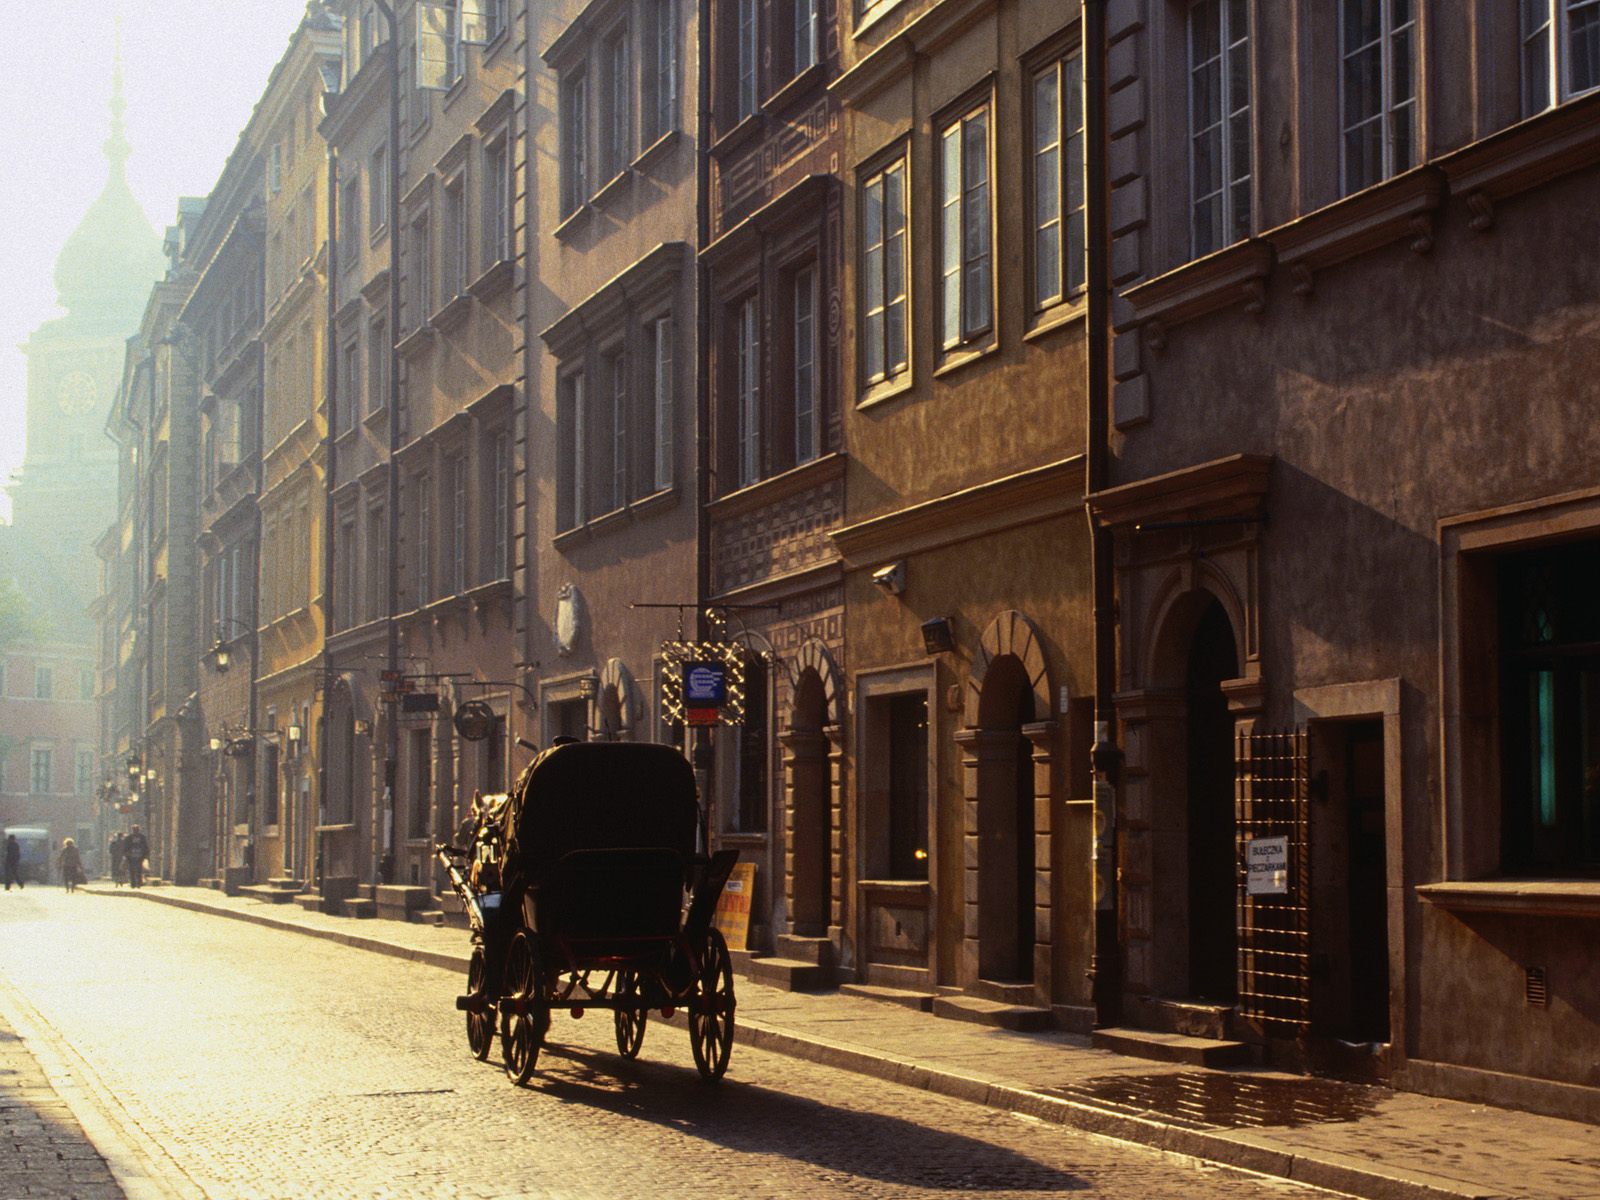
{"x":247,"y":1062}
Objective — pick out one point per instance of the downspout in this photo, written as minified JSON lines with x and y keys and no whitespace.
{"x":1105,"y":980}
{"x":329,"y":480}
{"x":701,"y":752}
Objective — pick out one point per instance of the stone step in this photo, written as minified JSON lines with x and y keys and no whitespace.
{"x":287,"y":883}
{"x":1192,"y":1018}
{"x":917,"y":1001}
{"x":310,"y":901}
{"x":1018,"y":1017}
{"x":360,"y":906}
{"x":741,"y":960}
{"x":790,"y":974}
{"x":1024,"y":995}
{"x":818,"y":950}
{"x":426,"y":916}
{"x":268,"y":893}
{"x":1172,"y":1047}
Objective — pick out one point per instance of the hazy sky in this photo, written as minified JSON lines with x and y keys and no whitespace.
{"x":194,"y":69}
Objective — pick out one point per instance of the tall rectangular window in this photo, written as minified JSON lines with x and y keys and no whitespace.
{"x":347,"y":568}
{"x":574,"y":143}
{"x":661,"y":398}
{"x":421,"y":277}
{"x":377,"y":563}
{"x":1059,"y":261}
{"x":883,"y":271}
{"x":617,"y":106}
{"x":660,"y":53}
{"x":349,"y":397}
{"x":617,"y":451}
{"x":421,"y":782}
{"x":458,"y":524}
{"x":908,"y":786}
{"x":378,"y":351}
{"x":500,"y":506}
{"x":965,"y":281}
{"x":453,"y":249}
{"x":1560,"y":51}
{"x":378,"y":190}
{"x":84,"y":780}
{"x":497,"y":202}
{"x":807,"y":29}
{"x":1378,"y":92}
{"x":44,"y":683}
{"x":572,"y":474}
{"x":349,"y":221}
{"x":41,"y":770}
{"x":748,"y":390}
{"x":423,"y":574}
{"x":86,"y":684}
{"x":748,"y":53}
{"x":807,"y":412}
{"x":1219,"y":124}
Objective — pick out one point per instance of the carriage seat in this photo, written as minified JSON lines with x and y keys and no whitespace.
{"x":594,"y":899}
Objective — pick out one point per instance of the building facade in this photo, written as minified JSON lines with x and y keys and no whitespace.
{"x":1352,"y":497}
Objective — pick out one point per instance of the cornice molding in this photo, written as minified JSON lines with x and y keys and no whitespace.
{"x":1235,"y":486}
{"x":604,"y":306}
{"x":1395,"y":210}
{"x":816,"y":473}
{"x":925,"y":35}
{"x":794,"y":204}
{"x":1235,"y":275}
{"x":1531,"y":152}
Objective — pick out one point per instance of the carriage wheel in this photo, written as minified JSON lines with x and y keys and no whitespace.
{"x":525,"y":1011}
{"x":630,"y":1014}
{"x":480,"y":1025}
{"x":711,"y":1008}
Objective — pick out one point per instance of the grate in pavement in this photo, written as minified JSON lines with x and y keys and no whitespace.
{"x":1201,"y":1100}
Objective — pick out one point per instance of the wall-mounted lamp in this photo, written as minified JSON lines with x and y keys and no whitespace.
{"x":891,"y":580}
{"x":937,"y":636}
{"x":363,"y":728}
{"x":216,"y":744}
{"x":295,"y":732}
{"x":220,"y":658}
{"x":588,"y":687}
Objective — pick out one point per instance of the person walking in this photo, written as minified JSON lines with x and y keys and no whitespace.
{"x":135,"y":849}
{"x":13,"y":862}
{"x":71,"y":866}
{"x":119,"y":865}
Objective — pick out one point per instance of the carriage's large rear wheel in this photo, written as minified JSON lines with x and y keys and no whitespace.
{"x":631,"y":1014}
{"x":480,"y":1024}
{"x":524,"y":1010}
{"x":711,"y":1007}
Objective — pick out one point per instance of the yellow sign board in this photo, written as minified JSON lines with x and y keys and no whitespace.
{"x":732,"y":916}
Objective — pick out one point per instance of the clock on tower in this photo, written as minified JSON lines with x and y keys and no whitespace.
{"x":76,"y":393}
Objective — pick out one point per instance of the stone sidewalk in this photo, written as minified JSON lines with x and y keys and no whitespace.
{"x":1364,"y":1141}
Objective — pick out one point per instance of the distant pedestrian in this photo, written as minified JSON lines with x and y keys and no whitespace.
{"x":13,"y":862}
{"x":119,"y":865}
{"x":135,"y":849}
{"x":71,"y":866}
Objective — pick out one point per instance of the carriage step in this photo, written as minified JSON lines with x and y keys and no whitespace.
{"x":1017,"y":1017}
{"x":790,"y":974}
{"x":1172,"y":1047}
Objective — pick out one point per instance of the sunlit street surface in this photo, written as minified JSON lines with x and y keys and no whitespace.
{"x":246,"y":1062}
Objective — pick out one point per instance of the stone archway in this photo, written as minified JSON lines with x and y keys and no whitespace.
{"x":1008,"y":764}
{"x":811,"y":774}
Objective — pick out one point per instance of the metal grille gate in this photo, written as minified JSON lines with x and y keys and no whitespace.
{"x":1271,"y":800}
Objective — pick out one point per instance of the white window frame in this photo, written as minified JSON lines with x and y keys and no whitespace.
{"x":616,"y":123}
{"x":807,"y":389}
{"x":1233,"y":223}
{"x":807,"y":28}
{"x":454,"y":242}
{"x":747,"y":388}
{"x":574,"y":141}
{"x":966,"y":208}
{"x":747,"y":56}
{"x":498,"y":202}
{"x":41,"y":783}
{"x":1058,"y":228}
{"x":378,"y":190}
{"x":885,"y":262}
{"x":658,"y":114}
{"x":1556,"y":19}
{"x":1389,"y":111}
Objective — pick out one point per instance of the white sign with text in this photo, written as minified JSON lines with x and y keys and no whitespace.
{"x":1267,"y":866}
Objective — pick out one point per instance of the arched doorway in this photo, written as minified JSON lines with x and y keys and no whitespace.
{"x":1005,"y":824}
{"x":809,"y":801}
{"x":1209,"y":778}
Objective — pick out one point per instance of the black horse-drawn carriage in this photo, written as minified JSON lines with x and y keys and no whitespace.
{"x":585,"y":889}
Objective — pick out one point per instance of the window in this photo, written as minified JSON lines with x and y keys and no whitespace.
{"x":377,"y":563}
{"x":423,"y":577}
{"x":1550,"y":708}
{"x":747,"y":52}
{"x":1058,"y":188}
{"x":614,"y":486}
{"x":458,"y":524}
{"x":349,"y":396}
{"x":661,"y":397}
{"x":616,"y":106}
{"x":497,"y":202}
{"x":453,"y":248}
{"x":346,"y":593}
{"x":1219,"y":124}
{"x":44,"y":686}
{"x":883,"y":270}
{"x":753,"y":769}
{"x":1377,"y":90}
{"x":807,"y":412}
{"x":84,"y":781}
{"x":378,"y":351}
{"x":807,"y":28}
{"x":85,"y":684}
{"x":421,"y":782}
{"x":500,"y":505}
{"x":349,"y":220}
{"x":908,"y":786}
{"x":574,"y":147}
{"x":1560,"y":51}
{"x":41,"y":770}
{"x":274,"y":169}
{"x":494,"y":19}
{"x":747,"y":390}
{"x":964,"y":237}
{"x":572,"y":477}
{"x":420,"y":279}
{"x":378,"y":190}
{"x":660,"y":53}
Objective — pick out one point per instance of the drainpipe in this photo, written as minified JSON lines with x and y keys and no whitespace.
{"x":330,"y":377}
{"x":701,"y":753}
{"x":1105,"y":982}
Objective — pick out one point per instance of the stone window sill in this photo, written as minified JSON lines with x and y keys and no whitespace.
{"x":1517,"y":897}
{"x":493,"y":281}
{"x":885,"y":389}
{"x":1395,"y":210}
{"x":741,"y":133}
{"x":801,"y":85}
{"x":572,"y":222}
{"x":1059,"y":315}
{"x":655,"y":150}
{"x":454,"y":313}
{"x":613,"y":188}
{"x":958,"y":358}
{"x":1233,"y":276}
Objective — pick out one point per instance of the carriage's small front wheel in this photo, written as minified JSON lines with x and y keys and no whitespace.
{"x":631,"y":1014}
{"x":480,"y":1022}
{"x":524,"y":1010}
{"x":711,"y":1008}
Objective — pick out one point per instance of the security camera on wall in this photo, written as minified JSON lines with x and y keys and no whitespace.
{"x":891,"y":579}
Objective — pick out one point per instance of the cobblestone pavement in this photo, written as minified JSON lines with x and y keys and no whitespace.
{"x":261,"y":1064}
